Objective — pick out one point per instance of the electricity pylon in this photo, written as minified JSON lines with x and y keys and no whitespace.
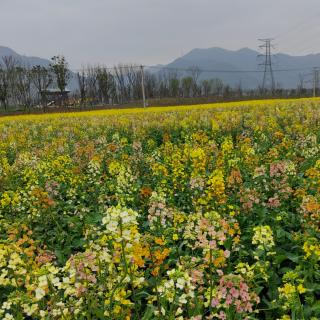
{"x":268,"y":76}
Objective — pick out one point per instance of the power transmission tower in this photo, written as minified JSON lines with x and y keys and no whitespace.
{"x":268,"y":76}
{"x":315,"y":81}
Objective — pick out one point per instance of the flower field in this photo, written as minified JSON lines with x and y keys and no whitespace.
{"x":195,"y":212}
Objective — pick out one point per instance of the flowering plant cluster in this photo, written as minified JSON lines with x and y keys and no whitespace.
{"x":195,"y":212}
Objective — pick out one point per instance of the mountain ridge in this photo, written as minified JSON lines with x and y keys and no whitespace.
{"x":234,"y":62}
{"x":31,"y":61}
{"x":237,"y":62}
{"x":28,"y":60}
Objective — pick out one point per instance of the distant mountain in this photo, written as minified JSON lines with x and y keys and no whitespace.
{"x":234,"y":62}
{"x":215,"y":59}
{"x":33,"y":61}
{"x":29,"y":61}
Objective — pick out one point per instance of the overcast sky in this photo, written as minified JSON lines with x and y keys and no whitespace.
{"x":154,"y":31}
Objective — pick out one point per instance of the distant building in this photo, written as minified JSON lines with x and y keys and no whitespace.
{"x":55,"y":96}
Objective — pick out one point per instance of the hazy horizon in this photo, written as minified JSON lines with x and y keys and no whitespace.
{"x":154,"y":32}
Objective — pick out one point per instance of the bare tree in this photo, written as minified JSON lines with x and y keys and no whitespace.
{"x":301,"y":89}
{"x":92,"y":84}
{"x":8,"y":81}
{"x":217,"y":87}
{"x":206,"y":87}
{"x":41,"y":78}
{"x":150,"y":85}
{"x":105,"y":84}
{"x":23,"y":86}
{"x":133,"y":82}
{"x":187,"y":86}
{"x":173,"y":83}
{"x":82,"y":82}
{"x":195,"y":73}
{"x":121,"y":80}
{"x":239,"y":89}
{"x":4,"y":88}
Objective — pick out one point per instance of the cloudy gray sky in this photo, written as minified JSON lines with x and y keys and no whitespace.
{"x":154,"y":31}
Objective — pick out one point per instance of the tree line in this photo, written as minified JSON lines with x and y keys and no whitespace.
{"x":123,"y":84}
{"x":30,"y":87}
{"x":25,"y":86}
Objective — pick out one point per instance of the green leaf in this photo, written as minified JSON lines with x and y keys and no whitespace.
{"x":149,"y":314}
{"x":293,"y":257}
{"x":316,"y":307}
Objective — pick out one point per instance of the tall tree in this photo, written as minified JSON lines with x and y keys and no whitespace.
{"x":41,"y":78}
{"x":195,"y":73}
{"x":174,"y":86}
{"x":206,"y":87}
{"x":187,"y":86}
{"x":60,"y":68}
{"x":105,"y":82}
{"x":82,"y":77}
{"x":23,"y":86}
{"x":7,"y":80}
{"x":4,"y":88}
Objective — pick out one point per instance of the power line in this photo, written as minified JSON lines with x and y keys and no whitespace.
{"x":107,"y":68}
{"x":306,"y":25}
{"x":228,"y":71}
{"x":136,"y":67}
{"x":293,"y":29}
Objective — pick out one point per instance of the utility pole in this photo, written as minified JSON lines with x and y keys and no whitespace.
{"x":267,"y":63}
{"x":142,"y":85}
{"x":315,"y":81}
